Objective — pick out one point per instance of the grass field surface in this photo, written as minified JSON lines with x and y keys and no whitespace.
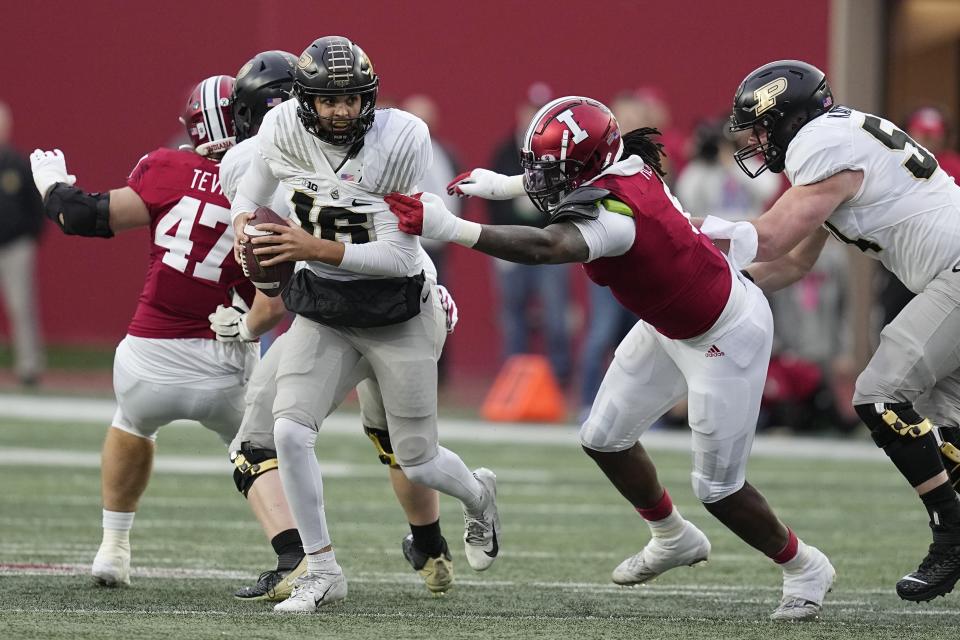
{"x":564,"y":529}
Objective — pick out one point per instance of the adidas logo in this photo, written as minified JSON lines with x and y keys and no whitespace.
{"x":713,"y":352}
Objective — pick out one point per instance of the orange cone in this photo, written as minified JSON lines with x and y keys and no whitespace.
{"x":525,"y":390}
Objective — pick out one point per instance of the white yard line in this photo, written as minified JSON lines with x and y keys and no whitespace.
{"x":90,"y":410}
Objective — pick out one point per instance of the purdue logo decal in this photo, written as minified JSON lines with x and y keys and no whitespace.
{"x":305,"y":61}
{"x":766,"y":96}
{"x":244,"y":70}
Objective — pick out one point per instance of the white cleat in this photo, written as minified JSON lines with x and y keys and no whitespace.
{"x":481,"y":536}
{"x":805,"y":588}
{"x":312,"y":591}
{"x":111,"y":566}
{"x":688,"y":547}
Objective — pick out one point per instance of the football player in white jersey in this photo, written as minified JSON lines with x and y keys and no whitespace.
{"x":859,"y":178}
{"x":359,"y":293}
{"x":263,"y":83}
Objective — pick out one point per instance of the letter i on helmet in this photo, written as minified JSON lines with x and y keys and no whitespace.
{"x":568,"y":142}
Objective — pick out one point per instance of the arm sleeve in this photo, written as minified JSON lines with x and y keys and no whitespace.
{"x":611,"y":234}
{"x":821,"y":153}
{"x":230,"y":174}
{"x":389,"y":257}
{"x":257,"y":188}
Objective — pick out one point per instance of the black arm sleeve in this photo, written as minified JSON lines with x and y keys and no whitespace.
{"x":77,"y":212}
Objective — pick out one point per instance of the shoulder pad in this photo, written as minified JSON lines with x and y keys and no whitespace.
{"x":579,"y":204}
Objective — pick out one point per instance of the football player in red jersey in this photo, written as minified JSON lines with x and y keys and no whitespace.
{"x":705,"y":331}
{"x":169,"y":366}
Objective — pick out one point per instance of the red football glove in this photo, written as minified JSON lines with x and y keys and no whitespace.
{"x":409,"y":211}
{"x":453,"y":188}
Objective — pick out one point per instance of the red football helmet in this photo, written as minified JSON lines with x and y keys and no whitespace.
{"x":569,"y":141}
{"x":208,"y":116}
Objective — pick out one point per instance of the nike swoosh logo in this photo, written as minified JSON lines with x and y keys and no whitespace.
{"x":357,"y":203}
{"x":912,"y":579}
{"x":956,"y":268}
{"x":427,"y":295}
{"x":496,"y":544}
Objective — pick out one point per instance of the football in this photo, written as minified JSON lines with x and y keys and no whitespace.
{"x":270,"y":280}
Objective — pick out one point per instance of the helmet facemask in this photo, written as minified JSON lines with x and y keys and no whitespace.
{"x":323,"y":127}
{"x":763,"y":130}
{"x":548,"y":181}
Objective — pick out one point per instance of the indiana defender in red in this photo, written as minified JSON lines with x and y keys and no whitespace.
{"x":705,"y":331}
{"x":169,"y":366}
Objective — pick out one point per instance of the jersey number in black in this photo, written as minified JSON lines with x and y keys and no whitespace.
{"x":331,"y":223}
{"x":920,"y":163}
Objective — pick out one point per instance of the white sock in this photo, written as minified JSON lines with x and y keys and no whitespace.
{"x":667,"y":527}
{"x":302,"y":481}
{"x":324,"y":562}
{"x":448,"y":474}
{"x":116,"y":528}
{"x":799,"y":561}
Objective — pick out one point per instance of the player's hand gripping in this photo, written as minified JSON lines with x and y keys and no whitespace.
{"x":239,"y":238}
{"x":484,"y":183}
{"x":49,"y":168}
{"x":449,"y":306}
{"x":230,"y":325}
{"x":287,"y":243}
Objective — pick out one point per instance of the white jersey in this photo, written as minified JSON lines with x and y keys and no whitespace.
{"x":343,"y":200}
{"x":235,"y":164}
{"x":907,"y":211}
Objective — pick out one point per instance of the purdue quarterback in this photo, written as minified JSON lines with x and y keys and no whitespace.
{"x":359,"y":293}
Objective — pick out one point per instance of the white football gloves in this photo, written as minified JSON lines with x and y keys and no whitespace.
{"x":487,"y":184}
{"x":49,"y":168}
{"x":449,"y":306}
{"x":230,"y":325}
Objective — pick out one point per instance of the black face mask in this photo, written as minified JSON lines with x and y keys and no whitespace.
{"x":547,"y":181}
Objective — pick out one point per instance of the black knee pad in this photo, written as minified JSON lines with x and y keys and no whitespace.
{"x":889,"y":422}
{"x":381,"y":442}
{"x":249,"y":464}
{"x":906,"y":437}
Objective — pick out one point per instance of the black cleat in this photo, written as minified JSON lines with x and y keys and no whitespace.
{"x":437,"y":572}
{"x":936,"y":575}
{"x":273,"y":585}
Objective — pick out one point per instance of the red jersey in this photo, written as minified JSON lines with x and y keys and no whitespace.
{"x":192,"y":268}
{"x":672,"y":276}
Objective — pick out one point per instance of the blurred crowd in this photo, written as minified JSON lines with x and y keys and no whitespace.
{"x":812,"y":371}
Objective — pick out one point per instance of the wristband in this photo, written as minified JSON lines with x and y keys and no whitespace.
{"x":467,"y":233}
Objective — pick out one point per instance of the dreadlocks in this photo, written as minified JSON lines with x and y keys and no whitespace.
{"x":638,"y":143}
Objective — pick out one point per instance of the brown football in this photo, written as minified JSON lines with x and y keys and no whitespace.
{"x":270,"y":280}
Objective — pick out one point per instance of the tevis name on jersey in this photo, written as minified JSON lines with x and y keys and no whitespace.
{"x":191,"y":267}
{"x":672,"y":276}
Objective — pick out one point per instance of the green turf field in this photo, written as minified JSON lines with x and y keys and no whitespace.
{"x":564,"y":529}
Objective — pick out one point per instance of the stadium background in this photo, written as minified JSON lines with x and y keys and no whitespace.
{"x":105,"y":81}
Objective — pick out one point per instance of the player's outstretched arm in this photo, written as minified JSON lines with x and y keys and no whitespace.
{"x":425,"y":215}
{"x":127,"y":210}
{"x":800,"y":211}
{"x":784,"y":271}
{"x":77,"y":212}
{"x":486,"y":184}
